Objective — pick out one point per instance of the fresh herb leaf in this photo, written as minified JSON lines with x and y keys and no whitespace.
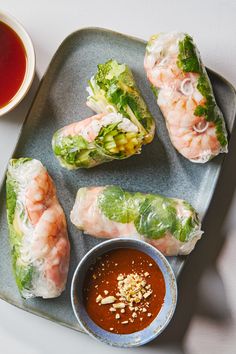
{"x":154,"y":216}
{"x":117,"y":205}
{"x":188,"y":59}
{"x":155,"y":90}
{"x":157,"y":216}
{"x":108,"y":73}
{"x":69,"y":148}
{"x":209,"y":109}
{"x":116,"y":83}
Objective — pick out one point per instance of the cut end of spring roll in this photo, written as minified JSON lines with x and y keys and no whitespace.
{"x":37,"y":230}
{"x":171,"y":225}
{"x":113,"y":89}
{"x":185,"y":96}
{"x":95,"y":140}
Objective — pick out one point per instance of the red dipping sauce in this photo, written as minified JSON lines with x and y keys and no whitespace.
{"x":12,"y":63}
{"x":124,"y":291}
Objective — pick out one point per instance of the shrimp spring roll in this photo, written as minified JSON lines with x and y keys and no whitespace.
{"x":113,"y":89}
{"x":123,"y":123}
{"x":184,"y":94}
{"x":92,"y":141}
{"x":37,"y":230}
{"x":170,"y":225}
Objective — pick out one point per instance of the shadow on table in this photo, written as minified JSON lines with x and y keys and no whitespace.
{"x":200,"y":271}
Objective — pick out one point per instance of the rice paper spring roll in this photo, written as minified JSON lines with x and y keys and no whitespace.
{"x":184,"y":94}
{"x":113,"y":89}
{"x":37,"y":230}
{"x":95,"y":140}
{"x":171,"y":225}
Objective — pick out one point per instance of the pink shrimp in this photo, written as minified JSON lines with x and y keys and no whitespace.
{"x":49,"y":243}
{"x":84,"y":125}
{"x":191,"y":135}
{"x":163,"y":72}
{"x":87,"y":216}
{"x":39,"y":195}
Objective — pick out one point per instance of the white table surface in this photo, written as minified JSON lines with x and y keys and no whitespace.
{"x":212,"y":24}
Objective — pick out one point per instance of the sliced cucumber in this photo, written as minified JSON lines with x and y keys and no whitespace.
{"x":84,"y":156}
{"x":108,"y":137}
{"x":110,"y":145}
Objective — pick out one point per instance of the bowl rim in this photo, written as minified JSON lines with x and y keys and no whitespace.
{"x":26,"y":40}
{"x":172,"y":283}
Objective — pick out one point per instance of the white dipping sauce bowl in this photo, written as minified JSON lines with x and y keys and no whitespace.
{"x":30,"y":61}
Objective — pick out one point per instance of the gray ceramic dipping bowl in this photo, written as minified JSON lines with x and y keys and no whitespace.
{"x":136,"y":338}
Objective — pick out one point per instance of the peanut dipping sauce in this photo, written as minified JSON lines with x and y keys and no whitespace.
{"x":124,"y":291}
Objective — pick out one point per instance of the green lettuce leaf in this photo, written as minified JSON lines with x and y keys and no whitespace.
{"x":117,"y":205}
{"x":154,"y":216}
{"x":23,"y":272}
{"x":74,"y":152}
{"x":115,"y":83}
{"x":157,"y":216}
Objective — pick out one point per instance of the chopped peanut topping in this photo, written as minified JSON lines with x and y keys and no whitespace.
{"x":119,"y":305}
{"x":99,"y":298}
{"x":108,"y":300}
{"x":132,"y":288}
{"x":147,"y":294}
{"x":112,"y":309}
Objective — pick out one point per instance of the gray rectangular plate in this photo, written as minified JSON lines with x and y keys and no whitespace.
{"x":159,"y":169}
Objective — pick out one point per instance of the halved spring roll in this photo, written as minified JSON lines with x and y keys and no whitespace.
{"x":37,"y":230}
{"x":170,"y":225}
{"x":100,"y":138}
{"x":113,"y":89}
{"x":184,"y":94}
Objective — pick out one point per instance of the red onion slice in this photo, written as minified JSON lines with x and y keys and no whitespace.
{"x":186,"y":87}
{"x":201,"y":127}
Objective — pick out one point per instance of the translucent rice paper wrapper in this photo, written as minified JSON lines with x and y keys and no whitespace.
{"x":101,"y":138}
{"x":113,"y":89}
{"x":184,"y":94}
{"x":37,"y":230}
{"x":170,"y":225}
